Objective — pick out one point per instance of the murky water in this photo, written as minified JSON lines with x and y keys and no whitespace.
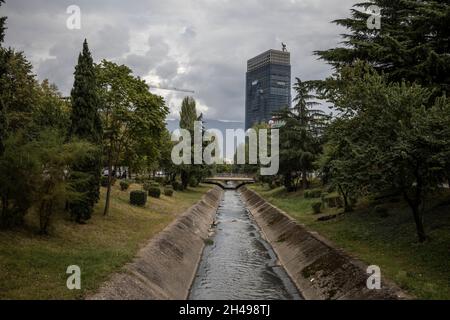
{"x":240,"y":264}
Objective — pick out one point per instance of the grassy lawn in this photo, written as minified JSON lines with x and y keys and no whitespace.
{"x":390,"y":242}
{"x":34,"y":267}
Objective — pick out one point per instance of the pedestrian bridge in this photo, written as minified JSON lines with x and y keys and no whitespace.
{"x":230,"y":181}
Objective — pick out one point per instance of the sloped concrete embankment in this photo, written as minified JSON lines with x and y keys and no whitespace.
{"x":317,"y":267}
{"x":166,"y":267}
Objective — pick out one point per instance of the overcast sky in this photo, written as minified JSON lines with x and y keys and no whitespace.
{"x":201,"y":45}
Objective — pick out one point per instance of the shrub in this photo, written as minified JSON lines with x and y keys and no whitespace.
{"x":150,"y":184}
{"x":193,"y":182}
{"x":160,"y":180}
{"x":168,"y":191}
{"x":124,"y":185}
{"x":177,"y":186}
{"x":316,"y":206}
{"x":154,"y":192}
{"x":138,"y":198}
{"x":332,"y":201}
{"x":313,"y":193}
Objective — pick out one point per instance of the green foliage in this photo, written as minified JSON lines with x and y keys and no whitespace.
{"x":160,"y":180}
{"x":149,"y":184}
{"x":19,"y":168}
{"x":124,"y":185}
{"x":168,"y":191}
{"x":177,"y":185}
{"x":86,"y":125}
{"x":386,"y":138}
{"x":193,"y":182}
{"x":332,"y":201}
{"x":132,"y":117}
{"x":188,"y":114}
{"x":51,"y":111}
{"x":138,"y":198}
{"x":54,"y":188}
{"x":2,"y":25}
{"x":411,"y":45}
{"x":188,"y":117}
{"x":312,"y":194}
{"x":19,"y":91}
{"x":300,"y":138}
{"x":35,"y":173}
{"x":154,"y":192}
{"x":316,"y":206}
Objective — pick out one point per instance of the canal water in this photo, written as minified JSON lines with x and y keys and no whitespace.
{"x":239,"y":263}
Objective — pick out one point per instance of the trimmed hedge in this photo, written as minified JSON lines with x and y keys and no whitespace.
{"x":150,"y":184}
{"x":124,"y":185}
{"x":168,"y":191}
{"x":316,"y":206}
{"x":154,"y":192}
{"x":138,"y":198}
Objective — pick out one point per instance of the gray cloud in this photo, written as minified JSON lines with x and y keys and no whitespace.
{"x":198,"y":44}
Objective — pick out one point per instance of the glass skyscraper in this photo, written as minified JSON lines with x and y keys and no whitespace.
{"x":268,"y":86}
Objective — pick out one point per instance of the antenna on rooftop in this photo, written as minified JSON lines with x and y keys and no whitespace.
{"x":283,"y":45}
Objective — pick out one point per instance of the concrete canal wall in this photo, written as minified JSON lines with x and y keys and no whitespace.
{"x":318,"y":268}
{"x":166,"y":267}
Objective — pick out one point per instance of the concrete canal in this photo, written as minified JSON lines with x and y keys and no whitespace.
{"x":239,"y":263}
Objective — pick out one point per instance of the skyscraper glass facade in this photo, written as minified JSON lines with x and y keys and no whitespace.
{"x":268,"y":86}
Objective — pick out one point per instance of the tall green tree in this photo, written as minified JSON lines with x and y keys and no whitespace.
{"x":388,"y":136}
{"x":3,"y":62}
{"x":2,"y":25}
{"x":86,"y":125}
{"x":131,"y":116}
{"x":300,"y":137}
{"x":188,"y":116}
{"x":413,"y":43}
{"x":19,"y":95}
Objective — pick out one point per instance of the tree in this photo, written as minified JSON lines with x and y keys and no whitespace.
{"x":188,"y":117}
{"x":300,"y":137}
{"x":387,"y":138}
{"x":51,"y":111}
{"x":2,"y":25}
{"x":86,"y":125}
{"x":131,"y":115}
{"x":412,"y":44}
{"x":19,"y":169}
{"x":53,"y":188}
{"x":3,"y":62}
{"x":165,"y":156}
{"x":18,"y":100}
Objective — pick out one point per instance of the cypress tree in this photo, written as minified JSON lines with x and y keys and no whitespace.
{"x":188,"y":116}
{"x":86,"y":125}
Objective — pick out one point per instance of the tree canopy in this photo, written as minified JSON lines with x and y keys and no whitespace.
{"x":413,"y":43}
